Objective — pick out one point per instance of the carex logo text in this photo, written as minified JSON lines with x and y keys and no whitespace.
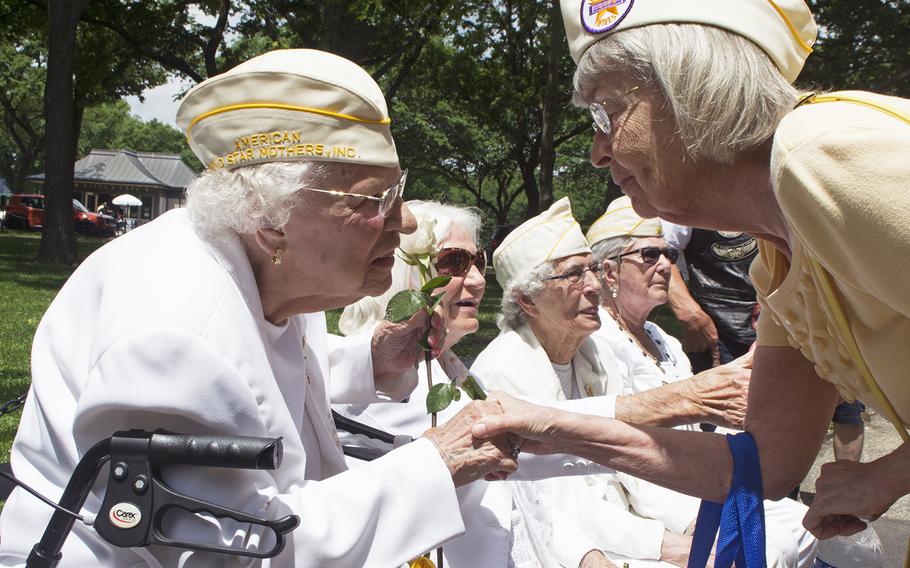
{"x":125,"y":515}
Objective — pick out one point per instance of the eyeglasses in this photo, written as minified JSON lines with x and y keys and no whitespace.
{"x":386,"y":200}
{"x":651,"y":255}
{"x":576,"y":274}
{"x":458,"y":261}
{"x":601,"y":117}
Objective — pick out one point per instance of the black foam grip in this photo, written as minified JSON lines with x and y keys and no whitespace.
{"x":215,"y":451}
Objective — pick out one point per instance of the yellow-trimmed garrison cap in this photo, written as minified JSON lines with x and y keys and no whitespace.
{"x":552,"y":235}
{"x":286,"y":105}
{"x":784,"y":29}
{"x":621,"y":220}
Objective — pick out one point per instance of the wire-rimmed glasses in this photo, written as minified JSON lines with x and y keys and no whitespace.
{"x":576,"y":274}
{"x":386,"y":200}
{"x":601,"y":116}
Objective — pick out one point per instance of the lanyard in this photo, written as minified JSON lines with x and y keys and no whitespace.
{"x":741,"y":518}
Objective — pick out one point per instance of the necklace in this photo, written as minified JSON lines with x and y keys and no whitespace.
{"x":636,"y":343}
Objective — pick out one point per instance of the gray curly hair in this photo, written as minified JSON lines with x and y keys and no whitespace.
{"x":610,"y":247}
{"x":247,"y":199}
{"x":527,"y":284}
{"x":725,"y":93}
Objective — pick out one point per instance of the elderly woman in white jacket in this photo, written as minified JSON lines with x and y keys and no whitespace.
{"x":300,"y":211}
{"x":507,"y":524}
{"x":549,"y":310}
{"x":550,"y":314}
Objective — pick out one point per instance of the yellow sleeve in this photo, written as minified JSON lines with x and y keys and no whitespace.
{"x":769,"y":333}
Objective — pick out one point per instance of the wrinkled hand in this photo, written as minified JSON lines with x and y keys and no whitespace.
{"x":723,"y":392}
{"x":595,"y":559}
{"x":675,"y":548}
{"x":394,"y":350}
{"x":700,"y":335}
{"x":467,"y":458}
{"x":536,"y":426}
{"x":847,"y":495}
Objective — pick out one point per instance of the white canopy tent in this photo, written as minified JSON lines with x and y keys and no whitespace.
{"x":128,"y":201}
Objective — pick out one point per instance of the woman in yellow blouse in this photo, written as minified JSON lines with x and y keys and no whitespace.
{"x":696,"y":119}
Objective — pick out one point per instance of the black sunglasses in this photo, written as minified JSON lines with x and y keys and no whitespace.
{"x":458,"y":261}
{"x":651,"y":255}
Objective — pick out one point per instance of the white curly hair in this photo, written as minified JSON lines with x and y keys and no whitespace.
{"x":527,"y":284}
{"x":434,"y":227}
{"x":244,"y":200}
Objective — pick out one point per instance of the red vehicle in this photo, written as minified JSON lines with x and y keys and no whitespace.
{"x":26,"y":211}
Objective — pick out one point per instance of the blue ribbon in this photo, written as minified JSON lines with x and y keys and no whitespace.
{"x":741,"y":517}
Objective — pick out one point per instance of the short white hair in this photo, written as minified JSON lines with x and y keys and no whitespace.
{"x":725,"y":93}
{"x":527,"y":284}
{"x":440,"y":219}
{"x":245,"y":200}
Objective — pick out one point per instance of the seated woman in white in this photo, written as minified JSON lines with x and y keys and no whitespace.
{"x":550,"y":309}
{"x":636,"y":274}
{"x":506,"y":524}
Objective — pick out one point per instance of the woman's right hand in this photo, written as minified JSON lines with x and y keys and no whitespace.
{"x":596,"y":559}
{"x":468,"y":458}
{"x":538,"y":427}
{"x":675,"y":550}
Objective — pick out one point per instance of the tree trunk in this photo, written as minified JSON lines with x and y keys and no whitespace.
{"x":58,"y":243}
{"x":549,"y":119}
{"x":531,"y":190}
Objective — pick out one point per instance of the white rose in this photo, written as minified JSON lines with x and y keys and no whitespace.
{"x":422,"y":241}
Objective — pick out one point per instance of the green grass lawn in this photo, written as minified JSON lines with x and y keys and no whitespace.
{"x":26,"y":290}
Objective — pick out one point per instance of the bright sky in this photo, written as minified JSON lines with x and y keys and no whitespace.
{"x":159,"y":103}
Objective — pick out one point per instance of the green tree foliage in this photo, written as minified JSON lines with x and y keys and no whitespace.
{"x":84,"y":66}
{"x":479,"y":90}
{"x":862,"y":45}
{"x":182,"y":37}
{"x":22,"y":135}
{"x":112,"y":126}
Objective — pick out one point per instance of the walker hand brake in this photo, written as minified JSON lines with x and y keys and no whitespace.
{"x":137,"y":499}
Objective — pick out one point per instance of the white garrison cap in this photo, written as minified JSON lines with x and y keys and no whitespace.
{"x":552,"y":235}
{"x":621,"y":220}
{"x":286,"y":105}
{"x":784,"y":29}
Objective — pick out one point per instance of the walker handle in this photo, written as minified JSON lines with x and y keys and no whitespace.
{"x":215,"y":451}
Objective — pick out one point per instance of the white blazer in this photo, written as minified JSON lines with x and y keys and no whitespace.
{"x":487,"y":508}
{"x":600,"y":504}
{"x":162,"y":329}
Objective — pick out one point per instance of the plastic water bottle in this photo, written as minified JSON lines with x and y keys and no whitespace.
{"x":861,"y":550}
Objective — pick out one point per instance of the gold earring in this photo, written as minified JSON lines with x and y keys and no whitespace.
{"x":276,"y":258}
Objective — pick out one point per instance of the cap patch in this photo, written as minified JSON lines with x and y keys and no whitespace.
{"x":599,"y":16}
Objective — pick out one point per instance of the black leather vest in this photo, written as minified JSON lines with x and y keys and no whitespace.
{"x":718,"y":264}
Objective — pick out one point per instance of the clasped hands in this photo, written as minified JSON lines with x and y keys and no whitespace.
{"x":470,"y":458}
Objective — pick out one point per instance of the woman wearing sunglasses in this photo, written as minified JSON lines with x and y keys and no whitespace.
{"x":504,"y":524}
{"x":636,"y":276}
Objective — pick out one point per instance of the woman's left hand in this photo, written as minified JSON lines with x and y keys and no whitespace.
{"x":849,"y":494}
{"x":394,"y":350}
